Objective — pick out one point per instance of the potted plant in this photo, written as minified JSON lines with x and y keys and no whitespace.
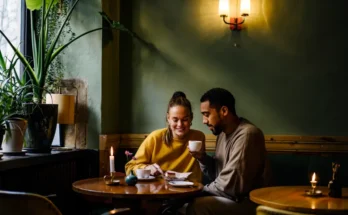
{"x":45,"y":49}
{"x":13,"y":92}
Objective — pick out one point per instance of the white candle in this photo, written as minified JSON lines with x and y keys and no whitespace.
{"x":112,"y":160}
{"x":313,"y":178}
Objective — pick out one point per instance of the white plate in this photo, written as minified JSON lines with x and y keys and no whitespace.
{"x":147,"y":179}
{"x":181,"y":183}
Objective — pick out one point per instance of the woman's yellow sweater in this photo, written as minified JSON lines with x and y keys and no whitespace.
{"x":175,"y":157}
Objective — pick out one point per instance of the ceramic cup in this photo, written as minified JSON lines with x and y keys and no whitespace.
{"x":143,"y":173}
{"x":195,"y":145}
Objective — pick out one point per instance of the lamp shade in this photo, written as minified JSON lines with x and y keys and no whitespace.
{"x":224,"y":7}
{"x":245,"y":7}
{"x":66,"y":107}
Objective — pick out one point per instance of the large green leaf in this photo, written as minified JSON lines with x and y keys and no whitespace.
{"x":45,"y":52}
{"x":37,"y":4}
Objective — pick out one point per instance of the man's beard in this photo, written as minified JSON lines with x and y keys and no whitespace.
{"x":217,"y":129}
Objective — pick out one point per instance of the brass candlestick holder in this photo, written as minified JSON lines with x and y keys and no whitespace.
{"x":313,"y":191}
{"x":314,"y":185}
{"x":110,"y":180}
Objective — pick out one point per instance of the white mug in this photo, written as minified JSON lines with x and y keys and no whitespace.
{"x":195,"y":145}
{"x":143,"y":173}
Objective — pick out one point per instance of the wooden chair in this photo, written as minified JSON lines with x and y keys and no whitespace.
{"x":26,"y":203}
{"x":13,"y":203}
{"x":265,"y":210}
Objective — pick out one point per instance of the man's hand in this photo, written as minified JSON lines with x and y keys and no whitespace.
{"x":199,"y":155}
{"x":155,"y":169}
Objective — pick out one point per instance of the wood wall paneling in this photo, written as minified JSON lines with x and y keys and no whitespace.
{"x":274,"y":144}
{"x":105,"y":143}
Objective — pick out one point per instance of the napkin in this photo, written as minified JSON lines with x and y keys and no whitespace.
{"x":179,"y":175}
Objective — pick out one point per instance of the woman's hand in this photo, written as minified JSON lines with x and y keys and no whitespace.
{"x":155,"y":169}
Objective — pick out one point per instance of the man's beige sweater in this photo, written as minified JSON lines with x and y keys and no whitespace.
{"x":238,"y":164}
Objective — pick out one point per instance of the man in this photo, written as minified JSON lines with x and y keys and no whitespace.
{"x":239,"y":162}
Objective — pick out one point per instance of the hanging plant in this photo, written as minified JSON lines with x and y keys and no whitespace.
{"x":55,"y":72}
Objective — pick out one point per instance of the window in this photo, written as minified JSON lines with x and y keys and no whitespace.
{"x":11,"y":25}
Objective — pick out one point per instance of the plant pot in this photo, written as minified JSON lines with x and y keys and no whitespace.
{"x":2,"y":132}
{"x":13,"y":142}
{"x":42,"y":123}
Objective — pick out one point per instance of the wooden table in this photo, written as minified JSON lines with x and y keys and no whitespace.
{"x":144,"y":192}
{"x":292,"y":198}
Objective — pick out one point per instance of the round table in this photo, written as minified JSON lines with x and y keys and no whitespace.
{"x":293,"y":198}
{"x":157,"y":189}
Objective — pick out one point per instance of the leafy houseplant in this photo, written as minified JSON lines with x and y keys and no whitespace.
{"x":45,"y":49}
{"x":13,"y":92}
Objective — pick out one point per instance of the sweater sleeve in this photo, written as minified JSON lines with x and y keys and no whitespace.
{"x":237,"y":177}
{"x":143,"y":155}
{"x":207,"y":165}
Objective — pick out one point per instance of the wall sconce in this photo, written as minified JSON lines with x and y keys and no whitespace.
{"x":235,"y":22}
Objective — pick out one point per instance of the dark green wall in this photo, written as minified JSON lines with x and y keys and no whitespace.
{"x":82,"y":59}
{"x":288,"y":74}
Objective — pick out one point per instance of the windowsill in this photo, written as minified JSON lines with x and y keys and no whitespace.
{"x":30,"y":159}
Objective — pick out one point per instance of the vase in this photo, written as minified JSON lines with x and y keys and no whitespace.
{"x":131,"y":179}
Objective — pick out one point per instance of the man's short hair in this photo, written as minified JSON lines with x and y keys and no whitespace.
{"x":219,"y":97}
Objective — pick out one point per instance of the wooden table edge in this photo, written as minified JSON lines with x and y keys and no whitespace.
{"x":135,"y":195}
{"x":292,"y":208}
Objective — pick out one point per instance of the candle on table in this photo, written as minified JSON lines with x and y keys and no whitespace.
{"x":112,"y":161}
{"x":313,"y":182}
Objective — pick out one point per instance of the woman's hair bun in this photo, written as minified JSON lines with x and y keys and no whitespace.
{"x":178,"y":94}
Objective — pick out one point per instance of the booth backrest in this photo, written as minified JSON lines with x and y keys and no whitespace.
{"x":293,"y":159}
{"x":289,"y":168}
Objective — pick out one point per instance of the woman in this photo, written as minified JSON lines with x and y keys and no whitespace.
{"x":166,"y":149}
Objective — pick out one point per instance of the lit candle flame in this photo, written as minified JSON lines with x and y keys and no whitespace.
{"x":313,"y":177}
{"x":111,"y":151}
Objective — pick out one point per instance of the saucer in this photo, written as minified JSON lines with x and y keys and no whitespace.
{"x":61,"y":149}
{"x":314,"y":194}
{"x":22,"y":153}
{"x":181,"y":183}
{"x":150,"y":178}
{"x":113,"y":182}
